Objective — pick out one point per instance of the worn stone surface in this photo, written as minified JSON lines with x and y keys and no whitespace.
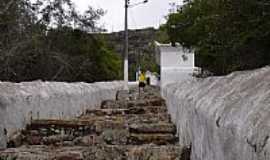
{"x":136,"y":129}
{"x":157,"y":138}
{"x":149,"y":118}
{"x":108,"y":152}
{"x":223,"y":118}
{"x":153,"y":128}
{"x":150,"y":101}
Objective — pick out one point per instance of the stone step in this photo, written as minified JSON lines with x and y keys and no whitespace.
{"x":111,"y":137}
{"x":51,"y":123}
{"x":85,"y":124}
{"x":107,"y":136}
{"x":110,"y":125}
{"x":111,"y":104}
{"x":50,"y":140}
{"x":145,"y":152}
{"x":147,"y":102}
{"x":103,"y":132}
{"x":149,"y":118}
{"x":51,"y":132}
{"x":147,"y":110}
{"x":131,"y":128}
{"x":75,"y":127}
{"x":94,"y":118}
{"x":105,"y":112}
{"x":131,"y":118}
{"x":103,"y":152}
{"x":133,"y":110}
{"x":158,"y":139}
{"x":152,"y":128}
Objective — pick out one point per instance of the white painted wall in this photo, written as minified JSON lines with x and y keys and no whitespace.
{"x":173,"y":57}
{"x":174,"y":75}
{"x":176,"y":63}
{"x":223,"y":118}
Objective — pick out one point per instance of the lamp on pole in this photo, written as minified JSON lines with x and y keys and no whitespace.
{"x":127,"y":5}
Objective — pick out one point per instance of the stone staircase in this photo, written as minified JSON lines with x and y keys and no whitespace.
{"x":133,"y":127}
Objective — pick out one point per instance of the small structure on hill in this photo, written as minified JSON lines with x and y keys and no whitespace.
{"x":176,"y":63}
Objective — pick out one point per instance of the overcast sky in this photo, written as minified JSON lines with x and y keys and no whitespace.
{"x":146,"y":15}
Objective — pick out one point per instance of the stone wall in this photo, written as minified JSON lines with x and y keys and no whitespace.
{"x":19,"y":102}
{"x":223,"y":118}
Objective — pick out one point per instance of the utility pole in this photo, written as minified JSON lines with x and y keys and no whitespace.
{"x":127,"y":5}
{"x":126,"y":47}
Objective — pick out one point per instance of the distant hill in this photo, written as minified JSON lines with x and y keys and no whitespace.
{"x":141,"y":48}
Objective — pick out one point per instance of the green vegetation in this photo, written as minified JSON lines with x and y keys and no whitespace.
{"x":227,"y":35}
{"x":145,"y":60}
{"x":161,"y":35}
{"x":50,"y":40}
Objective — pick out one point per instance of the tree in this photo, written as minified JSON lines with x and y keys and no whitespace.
{"x":50,"y":40}
{"x":226,"y":35}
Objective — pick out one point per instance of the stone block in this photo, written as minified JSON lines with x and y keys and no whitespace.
{"x":122,"y":95}
{"x":152,"y":128}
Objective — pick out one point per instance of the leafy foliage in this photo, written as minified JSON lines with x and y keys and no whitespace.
{"x":50,"y":40}
{"x":161,"y":35}
{"x":227,"y":35}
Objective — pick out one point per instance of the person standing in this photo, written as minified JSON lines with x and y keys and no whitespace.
{"x":141,"y":82}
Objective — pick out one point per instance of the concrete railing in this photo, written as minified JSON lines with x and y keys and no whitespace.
{"x":223,"y":118}
{"x":19,"y":102}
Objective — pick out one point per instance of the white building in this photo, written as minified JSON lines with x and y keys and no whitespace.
{"x":153,"y":78}
{"x":176,"y":63}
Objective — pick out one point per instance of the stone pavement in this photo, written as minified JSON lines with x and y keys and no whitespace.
{"x":133,"y":127}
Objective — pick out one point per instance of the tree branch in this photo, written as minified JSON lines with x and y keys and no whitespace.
{"x":7,"y":7}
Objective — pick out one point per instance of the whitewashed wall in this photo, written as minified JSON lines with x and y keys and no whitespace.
{"x":176,"y":57}
{"x":223,"y":118}
{"x":169,"y":76}
{"x":21,"y":101}
{"x":176,"y":63}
